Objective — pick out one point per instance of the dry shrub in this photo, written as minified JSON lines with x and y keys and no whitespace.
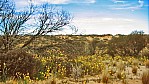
{"x":145,"y":52}
{"x":18,"y":61}
{"x":114,"y":63}
{"x":112,"y":71}
{"x":134,"y":70}
{"x":105,"y":77}
{"x":120,"y":66}
{"x":53,"y":81}
{"x":1,"y":43}
{"x":119,"y":75}
{"x":135,"y":62}
{"x":147,"y":64}
{"x":145,"y":77}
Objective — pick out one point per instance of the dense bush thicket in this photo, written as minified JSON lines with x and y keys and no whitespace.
{"x":124,"y":45}
{"x":18,"y":61}
{"x":71,"y":57}
{"x":133,"y":44}
{"x":71,"y":48}
{"x":129,"y":45}
{"x":144,"y":52}
{"x":101,"y":48}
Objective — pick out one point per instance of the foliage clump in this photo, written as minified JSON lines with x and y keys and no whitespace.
{"x":127,"y":45}
{"x":17,"y":63}
{"x":145,"y":51}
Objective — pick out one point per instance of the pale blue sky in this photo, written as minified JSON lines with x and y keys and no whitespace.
{"x":103,"y":16}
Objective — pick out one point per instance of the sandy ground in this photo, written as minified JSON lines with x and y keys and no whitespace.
{"x":130,"y":78}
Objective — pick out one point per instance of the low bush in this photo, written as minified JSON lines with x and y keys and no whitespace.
{"x":17,"y":63}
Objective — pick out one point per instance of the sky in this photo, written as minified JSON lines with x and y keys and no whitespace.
{"x":103,"y":16}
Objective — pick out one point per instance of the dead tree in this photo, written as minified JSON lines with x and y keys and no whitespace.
{"x":13,"y":22}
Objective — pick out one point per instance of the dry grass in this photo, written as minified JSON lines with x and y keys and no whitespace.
{"x":135,"y":62}
{"x":147,"y":64}
{"x":145,"y":77}
{"x":134,"y":70}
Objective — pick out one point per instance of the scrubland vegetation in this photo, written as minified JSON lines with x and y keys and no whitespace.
{"x":37,"y":58}
{"x":71,"y":59}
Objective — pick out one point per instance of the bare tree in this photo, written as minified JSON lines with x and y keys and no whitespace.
{"x":6,"y":6}
{"x":50,"y":19}
{"x":13,"y":22}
